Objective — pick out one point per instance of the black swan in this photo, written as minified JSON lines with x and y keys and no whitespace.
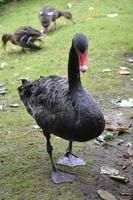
{"x":64,"y":108}
{"x":47,"y":15}
{"x":25,"y":37}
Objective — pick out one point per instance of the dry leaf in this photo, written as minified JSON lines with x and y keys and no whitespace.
{"x":14,"y":105}
{"x":112,"y":15}
{"x":119,"y":129}
{"x":124,"y":68}
{"x":120,"y":178}
{"x":69,"y":5}
{"x":91,"y":8}
{"x":124,"y":103}
{"x":130,"y":60}
{"x":124,"y":72}
{"x":2,"y":107}
{"x":3,"y":65}
{"x":104,"y":194}
{"x":129,"y":57}
{"x":36,"y":127}
{"x":106,"y":70}
{"x":2,"y":90}
{"x":109,"y":170}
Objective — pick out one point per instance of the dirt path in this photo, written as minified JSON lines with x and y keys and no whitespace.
{"x":112,"y":155}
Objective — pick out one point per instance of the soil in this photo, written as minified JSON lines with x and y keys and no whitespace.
{"x":112,"y":154}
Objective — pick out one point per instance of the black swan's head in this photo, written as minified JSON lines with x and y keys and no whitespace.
{"x":80,"y":44}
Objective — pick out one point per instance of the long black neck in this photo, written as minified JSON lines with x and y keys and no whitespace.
{"x":73,"y":70}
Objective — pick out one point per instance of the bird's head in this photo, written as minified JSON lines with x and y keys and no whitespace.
{"x":80,"y":44}
{"x":68,"y":16}
{"x":5,"y":38}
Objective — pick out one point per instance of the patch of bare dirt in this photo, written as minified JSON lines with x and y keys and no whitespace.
{"x":114,"y":154}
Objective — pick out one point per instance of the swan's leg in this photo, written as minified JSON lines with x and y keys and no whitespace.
{"x":70,"y":159}
{"x":57,"y":175}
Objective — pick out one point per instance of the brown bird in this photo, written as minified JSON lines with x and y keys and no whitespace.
{"x":47,"y":15}
{"x":25,"y":37}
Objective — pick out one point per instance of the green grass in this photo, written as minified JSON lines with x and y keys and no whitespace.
{"x":25,"y":166}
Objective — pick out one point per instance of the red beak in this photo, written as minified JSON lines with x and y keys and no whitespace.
{"x":82,"y":61}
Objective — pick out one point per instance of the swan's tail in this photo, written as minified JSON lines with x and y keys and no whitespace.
{"x":24,"y":89}
{"x":25,"y":92}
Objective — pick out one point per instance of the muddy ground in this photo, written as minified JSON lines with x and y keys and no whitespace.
{"x":113,"y":153}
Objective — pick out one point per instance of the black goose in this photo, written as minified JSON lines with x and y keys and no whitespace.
{"x":64,"y":108}
{"x":47,"y":15}
{"x":25,"y":37}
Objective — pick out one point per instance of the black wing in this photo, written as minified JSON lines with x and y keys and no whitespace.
{"x":48,"y":101}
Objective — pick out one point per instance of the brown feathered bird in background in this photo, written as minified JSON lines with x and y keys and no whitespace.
{"x":25,"y":37}
{"x":47,"y":15}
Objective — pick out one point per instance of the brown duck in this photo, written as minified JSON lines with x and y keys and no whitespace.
{"x":25,"y":37}
{"x":47,"y":15}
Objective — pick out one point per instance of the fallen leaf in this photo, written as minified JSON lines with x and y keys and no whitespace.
{"x":69,"y":5}
{"x":112,"y":15}
{"x":130,"y":60}
{"x":129,"y":144}
{"x":3,"y":65}
{"x":2,"y":90}
{"x":106,"y":70}
{"x":104,"y":194}
{"x":119,"y":129}
{"x":91,"y":8}
{"x":36,"y":127}
{"x":124,"y":72}
{"x":120,"y":178}
{"x":2,"y":107}
{"x":129,"y":57}
{"x":127,"y":103}
{"x":15,"y":105}
{"x":109,"y":170}
{"x":100,"y":139}
{"x":124,"y":68}
{"x":130,"y":151}
{"x":124,"y":194}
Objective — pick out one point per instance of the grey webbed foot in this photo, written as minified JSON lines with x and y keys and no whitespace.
{"x":70,"y":160}
{"x":59,"y":176}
